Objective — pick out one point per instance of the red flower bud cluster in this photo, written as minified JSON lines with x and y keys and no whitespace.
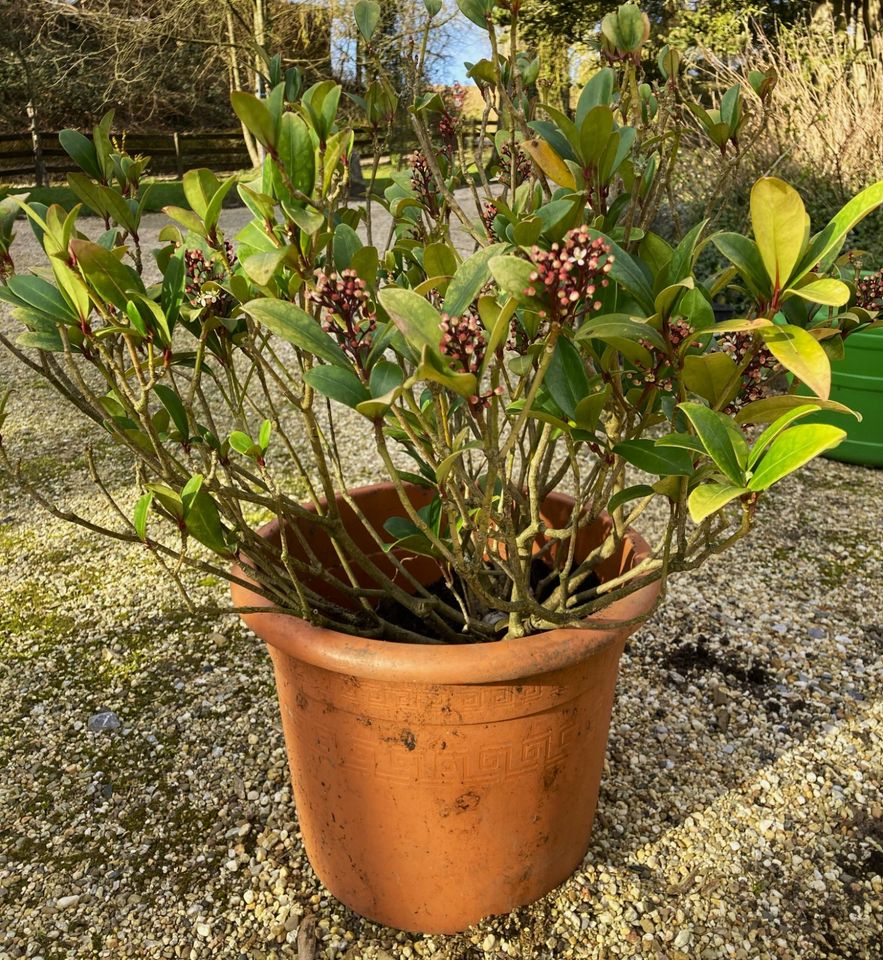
{"x":869,"y":292}
{"x":488,"y":212}
{"x":453,"y":98}
{"x":760,"y":368}
{"x":422,"y":182}
{"x":463,"y":342}
{"x":447,"y":131}
{"x":523,"y":167}
{"x":201,"y":270}
{"x":7,"y":268}
{"x":659,"y":373}
{"x":349,"y":313}
{"x":567,"y":276}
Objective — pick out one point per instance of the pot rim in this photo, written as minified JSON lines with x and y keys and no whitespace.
{"x":495,"y":661}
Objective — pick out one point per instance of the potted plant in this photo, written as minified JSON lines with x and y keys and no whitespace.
{"x":446,"y":642}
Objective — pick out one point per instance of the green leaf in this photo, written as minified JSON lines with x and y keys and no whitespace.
{"x":384,"y":383}
{"x":469,"y":278}
{"x":122,"y":210}
{"x":296,"y":326}
{"x":415,"y":316}
{"x":142,"y":508}
{"x":320,"y":102}
{"x":168,"y":498}
{"x":201,"y":518}
{"x":446,"y":465}
{"x":566,"y":379}
{"x":663,"y":461}
{"x":619,"y":326}
{"x":667,"y":299}
{"x":309,"y":220}
{"x":680,"y":265}
{"x":554,"y":217}
{"x":365,"y":262}
{"x":345,"y":244}
{"x":367,"y":14}
{"x":297,"y":155}
{"x":187,"y":218}
{"x":439,"y":260}
{"x":745,"y":257}
{"x":826,"y":245}
{"x":82,"y":151}
{"x":588,"y":410}
{"x":711,"y":497}
{"x":594,"y":133}
{"x":768,"y":409}
{"x":385,"y":377}
{"x":792,"y":449}
{"x":686,"y":441}
{"x":512,"y":275}
{"x":260,"y":267}
{"x":731,"y":108}
{"x":628,"y":494}
{"x":213,"y":211}
{"x":88,"y":191}
{"x":255,"y":115}
{"x":629,"y":273}
{"x":781,"y":228}
{"x":40,"y":294}
{"x":242,"y":443}
{"x":801,"y":354}
{"x":433,"y":366}
{"x":711,"y":376}
{"x":599,"y":90}
{"x":338,"y":384}
{"x":776,"y":427}
{"x":264,"y":435}
{"x":113,"y":281}
{"x":48,"y":340}
{"x":713,"y":429}
{"x":172,"y":402}
{"x":153,"y":317}
{"x":199,"y":188}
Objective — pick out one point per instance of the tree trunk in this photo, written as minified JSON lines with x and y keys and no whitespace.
{"x":259,"y":12}
{"x":236,"y":84}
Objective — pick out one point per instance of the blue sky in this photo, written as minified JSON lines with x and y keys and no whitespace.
{"x":467,"y":43}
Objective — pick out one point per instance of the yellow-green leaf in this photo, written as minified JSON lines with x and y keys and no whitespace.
{"x":800,"y":353}
{"x":781,"y":227}
{"x":768,"y":409}
{"x":792,"y":449}
{"x":549,"y":162}
{"x":710,"y":497}
{"x":824,"y":290}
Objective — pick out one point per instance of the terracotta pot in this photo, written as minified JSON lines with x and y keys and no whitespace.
{"x":436,"y":785}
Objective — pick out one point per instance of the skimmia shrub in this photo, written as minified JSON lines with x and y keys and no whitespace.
{"x":519,"y":328}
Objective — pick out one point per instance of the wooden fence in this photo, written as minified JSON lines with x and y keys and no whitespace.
{"x":34,"y":161}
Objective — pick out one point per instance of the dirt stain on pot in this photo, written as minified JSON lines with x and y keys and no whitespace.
{"x":408,"y":739}
{"x":467,"y":801}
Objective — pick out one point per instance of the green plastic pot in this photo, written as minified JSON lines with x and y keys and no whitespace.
{"x":857,"y":382}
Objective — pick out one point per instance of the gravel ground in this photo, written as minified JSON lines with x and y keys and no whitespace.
{"x":741,"y":813}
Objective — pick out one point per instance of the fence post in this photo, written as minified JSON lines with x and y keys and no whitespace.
{"x":179,"y":163}
{"x":39,"y":166}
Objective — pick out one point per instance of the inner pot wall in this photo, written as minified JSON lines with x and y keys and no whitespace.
{"x":438,"y":785}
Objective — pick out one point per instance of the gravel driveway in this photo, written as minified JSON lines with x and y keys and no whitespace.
{"x":145,"y":805}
